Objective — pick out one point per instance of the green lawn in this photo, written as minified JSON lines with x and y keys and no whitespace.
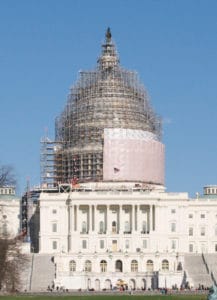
{"x":106,"y":297}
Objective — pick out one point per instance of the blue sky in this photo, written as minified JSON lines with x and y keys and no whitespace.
{"x":171,"y":44}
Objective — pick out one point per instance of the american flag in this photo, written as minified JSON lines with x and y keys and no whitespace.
{"x":116,"y":170}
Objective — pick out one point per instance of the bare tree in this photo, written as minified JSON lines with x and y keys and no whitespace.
{"x":7,"y":176}
{"x":12,"y":262}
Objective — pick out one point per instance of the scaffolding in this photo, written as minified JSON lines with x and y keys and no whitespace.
{"x":48,"y":149}
{"x":107,"y":97}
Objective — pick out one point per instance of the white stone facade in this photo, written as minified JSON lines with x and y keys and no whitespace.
{"x":137,"y":236}
{"x":9,"y":213}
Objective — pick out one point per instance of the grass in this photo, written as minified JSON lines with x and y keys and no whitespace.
{"x":105,"y":297}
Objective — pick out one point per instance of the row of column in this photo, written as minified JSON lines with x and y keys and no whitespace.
{"x":118,"y":220}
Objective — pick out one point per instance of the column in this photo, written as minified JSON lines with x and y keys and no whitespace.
{"x":69,"y":227}
{"x":121,"y":218}
{"x":75,"y":218}
{"x":93,"y":218}
{"x":72,"y":216}
{"x":118,"y":219}
{"x":150,"y":218}
{"x":136,"y":218}
{"x":108,"y":221}
{"x":132,"y":225}
{"x":153,"y":217}
{"x":139,"y":218}
{"x":88,"y":219}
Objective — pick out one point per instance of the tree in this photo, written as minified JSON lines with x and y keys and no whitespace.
{"x":7,"y":176}
{"x":12,"y":262}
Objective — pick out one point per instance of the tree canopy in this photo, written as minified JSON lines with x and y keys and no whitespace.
{"x":7,"y":176}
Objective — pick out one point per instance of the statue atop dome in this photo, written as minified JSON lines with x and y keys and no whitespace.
{"x":108,"y":35}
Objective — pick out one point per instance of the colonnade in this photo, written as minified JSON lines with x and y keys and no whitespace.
{"x":115,"y":218}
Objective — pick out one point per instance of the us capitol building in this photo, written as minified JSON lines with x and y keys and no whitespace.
{"x":102,"y":214}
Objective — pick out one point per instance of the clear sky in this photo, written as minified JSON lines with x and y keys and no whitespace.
{"x":172,"y":44}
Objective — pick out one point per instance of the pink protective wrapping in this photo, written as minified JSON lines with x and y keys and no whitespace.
{"x":133,"y":159}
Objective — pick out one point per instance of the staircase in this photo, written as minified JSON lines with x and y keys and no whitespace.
{"x":43,"y":272}
{"x":211,"y":261}
{"x":197,"y":270}
{"x":25,"y":277}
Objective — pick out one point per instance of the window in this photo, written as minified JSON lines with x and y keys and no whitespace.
{"x":127,"y":244}
{"x":202,"y":216}
{"x":179,"y":267}
{"x":173,"y":211}
{"x":72,"y":266}
{"x":127,"y":227}
{"x":102,"y":244}
{"x":191,"y":248}
{"x":84,"y":244}
{"x":114,"y":245}
{"x":190,"y":231}
{"x":103,"y":266}
{"x":54,"y":227}
{"x":134,"y":266}
{"x":173,"y":227}
{"x":173,"y":244}
{"x":84,"y":227}
{"x":118,"y":266}
{"x":144,"y":227}
{"x":150,"y":266}
{"x":145,"y":244}
{"x":165,"y":265}
{"x":54,"y":245}
{"x":88,"y":266}
{"x":190,"y":216}
{"x":114,"y":227}
{"x":101,"y":227}
{"x":202,"y":231}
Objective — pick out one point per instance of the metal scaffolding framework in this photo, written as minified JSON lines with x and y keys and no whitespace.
{"x":107,"y":97}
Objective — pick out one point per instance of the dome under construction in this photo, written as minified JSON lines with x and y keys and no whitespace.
{"x":108,"y":130}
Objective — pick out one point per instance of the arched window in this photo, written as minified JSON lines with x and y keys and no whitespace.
{"x":150,"y":266}
{"x":84,"y":227}
{"x":165,"y":265}
{"x":114,"y":227}
{"x":88,"y":266}
{"x":103,"y":266}
{"x":134,"y":266}
{"x":72,"y":266}
{"x":118,"y":266}
{"x":127,"y":226}
{"x":101,"y":227}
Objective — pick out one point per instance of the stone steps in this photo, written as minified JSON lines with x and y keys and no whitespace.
{"x":43,"y":272}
